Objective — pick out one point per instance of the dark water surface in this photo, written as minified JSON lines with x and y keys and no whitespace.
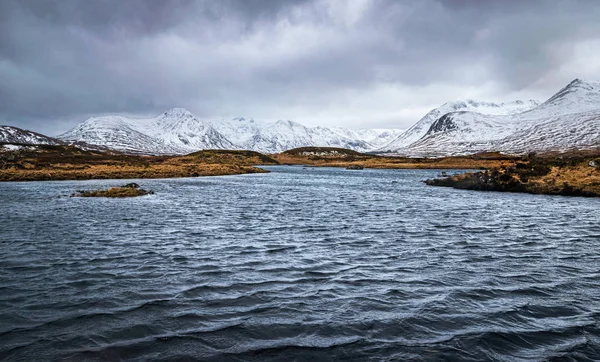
{"x":300,"y":264}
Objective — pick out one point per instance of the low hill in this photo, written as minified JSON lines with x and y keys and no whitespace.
{"x":65,"y":162}
{"x":339,"y":157}
{"x":232,"y":156}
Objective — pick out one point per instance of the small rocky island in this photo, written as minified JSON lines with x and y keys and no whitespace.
{"x":575,"y":174}
{"x":128,"y":190}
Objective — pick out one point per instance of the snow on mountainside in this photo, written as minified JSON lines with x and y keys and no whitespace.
{"x":237,"y":130}
{"x":115,"y":133}
{"x":279,"y":136}
{"x":178,"y":131}
{"x":285,"y":135}
{"x":569,"y":119}
{"x":12,"y":135}
{"x":180,"y":128}
{"x":577,"y":97}
{"x":488,"y":108}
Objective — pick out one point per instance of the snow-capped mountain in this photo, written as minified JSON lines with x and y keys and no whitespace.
{"x":14,"y":135}
{"x":247,"y":133}
{"x":178,"y":131}
{"x":285,"y":135}
{"x":237,"y":130}
{"x":576,"y":97}
{"x":279,"y":136}
{"x":420,"y":128}
{"x":570,"y":119}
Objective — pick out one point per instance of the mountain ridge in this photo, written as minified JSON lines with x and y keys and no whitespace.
{"x":569,"y":119}
{"x":420,"y":128}
{"x":16,"y":135}
{"x":178,"y":131}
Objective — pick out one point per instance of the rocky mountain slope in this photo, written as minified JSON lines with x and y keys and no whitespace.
{"x":570,"y":119}
{"x":14,"y":135}
{"x":178,"y":131}
{"x":420,"y":129}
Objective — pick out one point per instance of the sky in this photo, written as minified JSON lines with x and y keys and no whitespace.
{"x":351,"y":63}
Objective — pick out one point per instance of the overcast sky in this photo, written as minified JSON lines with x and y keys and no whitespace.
{"x":354,"y":63}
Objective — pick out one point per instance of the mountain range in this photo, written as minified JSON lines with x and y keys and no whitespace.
{"x":178,"y":131}
{"x":570,"y":119}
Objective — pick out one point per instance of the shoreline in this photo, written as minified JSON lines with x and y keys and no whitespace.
{"x":336,"y":157}
{"x":574,"y":176}
{"x":57,"y":163}
{"x":57,"y":176}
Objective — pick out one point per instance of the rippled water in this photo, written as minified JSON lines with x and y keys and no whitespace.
{"x":298,"y":264}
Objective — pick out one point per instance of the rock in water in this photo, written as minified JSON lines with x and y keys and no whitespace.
{"x":131,"y":185}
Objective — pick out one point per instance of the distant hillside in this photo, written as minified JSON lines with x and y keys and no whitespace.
{"x":14,"y":135}
{"x":421,"y":128}
{"x":568,"y":120}
{"x":178,"y":131}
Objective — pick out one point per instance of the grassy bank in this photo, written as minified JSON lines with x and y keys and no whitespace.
{"x":569,"y":174}
{"x":339,"y":157}
{"x":71,"y":163}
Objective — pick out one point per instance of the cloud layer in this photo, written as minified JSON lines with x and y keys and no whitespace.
{"x":360,"y":63}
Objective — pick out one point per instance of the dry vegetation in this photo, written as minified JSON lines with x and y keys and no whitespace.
{"x":338,"y":157}
{"x":129,"y":190}
{"x":72,"y":163}
{"x":572,"y":174}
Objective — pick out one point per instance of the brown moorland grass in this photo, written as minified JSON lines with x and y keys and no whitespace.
{"x":572,"y":174}
{"x":114,"y":192}
{"x":336,"y":157}
{"x":72,"y":163}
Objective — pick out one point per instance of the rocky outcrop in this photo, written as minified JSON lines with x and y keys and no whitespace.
{"x":128,"y":190}
{"x":569,"y":176}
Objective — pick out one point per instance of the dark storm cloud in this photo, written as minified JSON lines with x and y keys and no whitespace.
{"x":321,"y":60}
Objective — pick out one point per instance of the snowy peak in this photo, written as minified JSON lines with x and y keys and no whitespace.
{"x":12,"y":135}
{"x":577,"y":88}
{"x":177,"y":118}
{"x":567,"y":120}
{"x":178,"y":131}
{"x":420,"y":129}
{"x":577,"y":96}
{"x":178,"y":113}
{"x":175,"y":131}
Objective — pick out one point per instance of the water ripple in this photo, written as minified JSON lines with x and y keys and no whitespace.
{"x":338,"y":265}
